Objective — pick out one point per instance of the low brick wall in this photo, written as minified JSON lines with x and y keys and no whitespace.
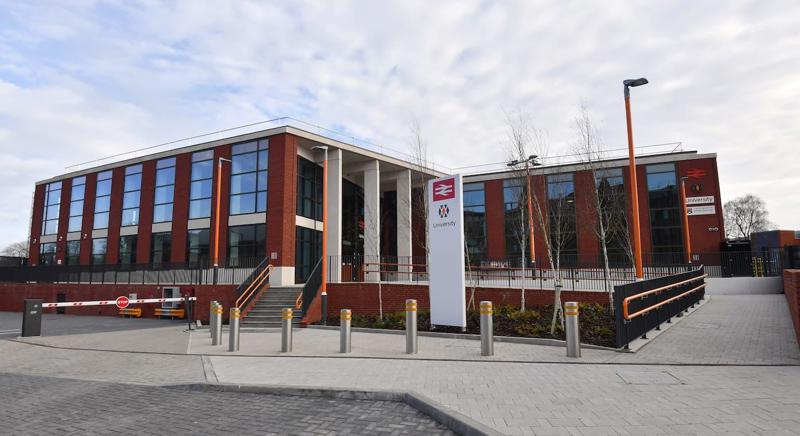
{"x":362,"y":298}
{"x":12,"y":296}
{"x":791,"y":288}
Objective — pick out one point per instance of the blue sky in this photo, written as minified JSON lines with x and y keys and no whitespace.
{"x":85,"y":79}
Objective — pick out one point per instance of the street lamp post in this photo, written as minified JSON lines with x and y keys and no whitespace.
{"x":686,"y":236}
{"x":637,"y":236}
{"x":530,"y":161}
{"x":216,"y":216}
{"x":324,"y":265}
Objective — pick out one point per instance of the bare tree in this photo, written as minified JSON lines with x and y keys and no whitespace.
{"x":745,"y":215}
{"x":16,"y":249}
{"x":607,"y":198}
{"x":526,"y":140}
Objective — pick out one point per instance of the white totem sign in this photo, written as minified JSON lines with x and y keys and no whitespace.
{"x":446,"y":254}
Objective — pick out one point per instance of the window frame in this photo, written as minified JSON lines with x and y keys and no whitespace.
{"x":254,"y":148}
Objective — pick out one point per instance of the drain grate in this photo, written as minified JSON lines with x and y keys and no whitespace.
{"x":648,"y":377}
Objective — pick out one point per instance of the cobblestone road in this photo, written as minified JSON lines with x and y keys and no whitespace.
{"x":53,"y":406}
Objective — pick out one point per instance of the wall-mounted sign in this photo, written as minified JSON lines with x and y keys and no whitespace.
{"x":701,"y":210}
{"x":696,"y":173}
{"x":705,"y":199}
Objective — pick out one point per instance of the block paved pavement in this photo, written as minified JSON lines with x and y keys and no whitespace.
{"x":529,"y":398}
{"x":43,"y":405}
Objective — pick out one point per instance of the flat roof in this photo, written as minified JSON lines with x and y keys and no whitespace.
{"x":301,"y":133}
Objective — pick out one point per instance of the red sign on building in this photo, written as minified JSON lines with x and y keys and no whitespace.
{"x":444,"y":189}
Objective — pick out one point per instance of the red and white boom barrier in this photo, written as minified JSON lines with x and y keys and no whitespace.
{"x":121,"y":302}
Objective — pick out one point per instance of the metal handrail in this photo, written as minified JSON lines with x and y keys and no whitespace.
{"x":255,"y":284}
{"x":656,"y":306}
{"x":627,"y":300}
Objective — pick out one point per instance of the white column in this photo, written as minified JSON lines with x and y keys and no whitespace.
{"x":372,"y":217}
{"x":334,"y":230}
{"x":404,"y":243}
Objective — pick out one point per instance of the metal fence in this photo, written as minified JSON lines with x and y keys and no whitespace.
{"x":232,"y":272}
{"x":642,"y":306}
{"x":494,"y":273}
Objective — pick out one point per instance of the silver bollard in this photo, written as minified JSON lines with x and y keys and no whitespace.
{"x":235,"y":318}
{"x":411,"y":326}
{"x":573,"y":334}
{"x":211,"y":314}
{"x":487,"y":329}
{"x":345,"y":318}
{"x":286,"y":330}
{"x":217,"y":338}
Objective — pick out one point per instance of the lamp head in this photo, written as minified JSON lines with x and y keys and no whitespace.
{"x":635,"y":82}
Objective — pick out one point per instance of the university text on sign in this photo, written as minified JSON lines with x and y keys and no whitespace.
{"x":446,"y":259}
{"x":705,"y":199}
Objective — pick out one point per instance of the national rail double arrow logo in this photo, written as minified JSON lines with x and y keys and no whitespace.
{"x":444,"y":211}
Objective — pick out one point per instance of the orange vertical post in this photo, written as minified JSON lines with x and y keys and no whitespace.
{"x":530,"y":214}
{"x":637,"y":237}
{"x":686,"y":236}
{"x":216,"y":212}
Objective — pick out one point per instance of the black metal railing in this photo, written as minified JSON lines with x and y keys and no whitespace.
{"x":312,"y":286}
{"x":645,"y":305}
{"x":231,"y":272}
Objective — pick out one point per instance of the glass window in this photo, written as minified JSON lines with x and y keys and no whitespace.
{"x":102,"y":201}
{"x":562,"y":218}
{"x":246,"y":245}
{"x":308,"y":250}
{"x":131,"y":196}
{"x":161,"y":249}
{"x":99,"y":248}
{"x":665,"y":213}
{"x":73,"y":252}
{"x":515,"y":203}
{"x":127,"y":249}
{"x":613,"y":211}
{"x":165,"y":190}
{"x":197,"y":246}
{"x":475,"y":222}
{"x":309,"y":189}
{"x":248,"y":178}
{"x":200,"y":190}
{"x":52,"y":208}
{"x":47,"y":253}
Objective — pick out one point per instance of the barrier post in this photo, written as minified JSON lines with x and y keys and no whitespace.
{"x":573,"y":335}
{"x":286,"y":330}
{"x":487,"y":329}
{"x":233,"y":340}
{"x":217,"y":338}
{"x":212,"y":313}
{"x":411,"y":326}
{"x":345,"y":318}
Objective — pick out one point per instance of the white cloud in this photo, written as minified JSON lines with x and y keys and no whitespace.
{"x":91,"y":79}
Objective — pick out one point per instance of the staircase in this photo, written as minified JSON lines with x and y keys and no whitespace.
{"x":266,"y":312}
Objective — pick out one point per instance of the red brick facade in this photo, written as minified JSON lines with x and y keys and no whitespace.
{"x":791,"y":287}
{"x":363,"y":298}
{"x":706,"y":231}
{"x":12,"y":296}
